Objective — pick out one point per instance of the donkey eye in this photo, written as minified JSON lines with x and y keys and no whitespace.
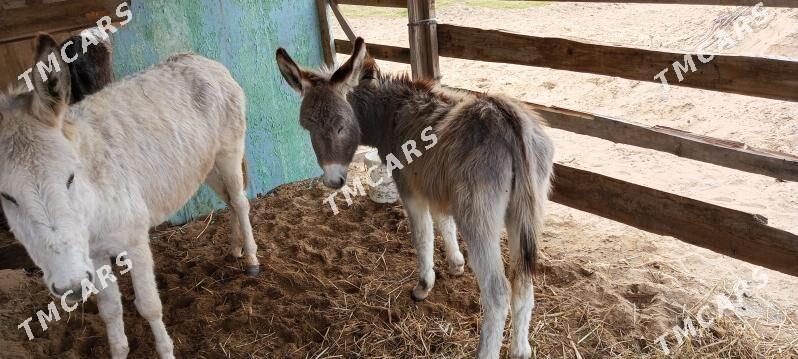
{"x":340,"y":130}
{"x":70,"y":180}
{"x":10,"y":199}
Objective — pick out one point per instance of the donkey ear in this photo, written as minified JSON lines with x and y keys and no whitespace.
{"x":349,"y":73}
{"x":51,"y":81}
{"x":295,"y":76}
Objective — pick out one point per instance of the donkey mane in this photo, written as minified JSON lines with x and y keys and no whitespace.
{"x":400,"y":80}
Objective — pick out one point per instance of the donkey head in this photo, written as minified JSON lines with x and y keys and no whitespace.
{"x":40,"y":174}
{"x":325,"y":112}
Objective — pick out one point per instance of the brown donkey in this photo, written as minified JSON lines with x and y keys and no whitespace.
{"x":491,"y":166}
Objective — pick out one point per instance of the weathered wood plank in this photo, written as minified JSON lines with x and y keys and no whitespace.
{"x":753,"y":76}
{"x":52,"y":16}
{"x":769,"y":3}
{"x":378,"y":3}
{"x":730,"y":154}
{"x":719,"y":152}
{"x":325,"y":32}
{"x":381,"y":52}
{"x":733,"y":233}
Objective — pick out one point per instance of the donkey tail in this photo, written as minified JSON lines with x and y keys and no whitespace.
{"x":533,"y":158}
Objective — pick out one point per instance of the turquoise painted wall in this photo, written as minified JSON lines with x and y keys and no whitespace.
{"x":243,"y":35}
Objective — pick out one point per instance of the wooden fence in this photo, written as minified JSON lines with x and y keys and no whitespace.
{"x":22,"y":19}
{"x":734,"y":233}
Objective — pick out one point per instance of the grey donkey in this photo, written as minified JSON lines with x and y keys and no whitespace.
{"x":81,"y":184}
{"x":490,"y":167}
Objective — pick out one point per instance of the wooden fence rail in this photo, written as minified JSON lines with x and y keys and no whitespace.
{"x":753,"y":76}
{"x":768,"y":3}
{"x":683,"y":144}
{"x":20,"y":22}
{"x":736,"y":234}
{"x":379,"y":3}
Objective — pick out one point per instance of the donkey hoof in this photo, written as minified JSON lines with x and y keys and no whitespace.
{"x":119,"y":351}
{"x":253,"y":270}
{"x":521,"y":356}
{"x":419,"y":295}
{"x":520,"y":350}
{"x":456,"y":269}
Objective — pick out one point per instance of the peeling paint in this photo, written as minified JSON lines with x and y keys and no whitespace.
{"x":243,"y":35}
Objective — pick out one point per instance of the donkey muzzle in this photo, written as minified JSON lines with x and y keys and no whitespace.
{"x":334,"y":175}
{"x":72,"y":292}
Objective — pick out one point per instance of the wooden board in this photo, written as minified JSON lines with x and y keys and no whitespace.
{"x":769,"y":3}
{"x":753,"y":76}
{"x":379,"y":3}
{"x":730,"y":154}
{"x":325,"y":33}
{"x":716,"y":151}
{"x":733,"y":233}
{"x":20,"y":22}
{"x":381,"y":52}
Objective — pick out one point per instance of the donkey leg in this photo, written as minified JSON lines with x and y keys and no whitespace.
{"x":480,"y":218}
{"x":232,"y":175}
{"x":448,"y":230}
{"x":522,"y":302}
{"x":236,"y":241}
{"x":424,"y":243}
{"x":147,"y":300}
{"x":109,"y":303}
{"x":484,"y":258}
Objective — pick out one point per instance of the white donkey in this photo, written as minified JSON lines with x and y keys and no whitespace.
{"x":82,"y":184}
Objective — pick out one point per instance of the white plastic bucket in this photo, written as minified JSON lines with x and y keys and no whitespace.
{"x":386,"y":191}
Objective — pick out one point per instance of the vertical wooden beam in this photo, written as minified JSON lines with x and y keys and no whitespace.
{"x":423,"y":31}
{"x":326,"y":36}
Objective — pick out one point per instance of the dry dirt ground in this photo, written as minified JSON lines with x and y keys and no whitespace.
{"x":338,"y":286}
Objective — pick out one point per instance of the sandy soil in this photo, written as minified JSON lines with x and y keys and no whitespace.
{"x":339,"y":285}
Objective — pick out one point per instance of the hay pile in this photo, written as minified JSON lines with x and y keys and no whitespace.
{"x":338,"y":286}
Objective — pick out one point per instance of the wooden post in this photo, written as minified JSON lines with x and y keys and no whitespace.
{"x":423,"y":30}
{"x":326,"y":37}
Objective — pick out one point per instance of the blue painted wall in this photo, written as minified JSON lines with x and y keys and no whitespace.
{"x":243,"y":35}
